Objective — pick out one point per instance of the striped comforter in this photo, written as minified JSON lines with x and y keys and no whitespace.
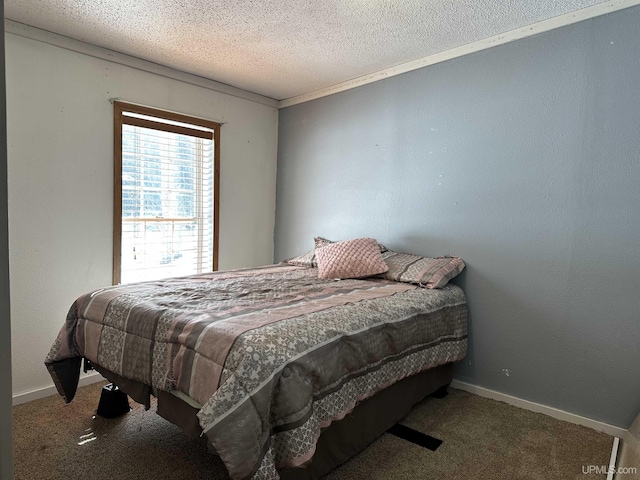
{"x":272,"y":354}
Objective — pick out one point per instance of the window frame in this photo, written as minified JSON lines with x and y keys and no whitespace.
{"x":119,"y":119}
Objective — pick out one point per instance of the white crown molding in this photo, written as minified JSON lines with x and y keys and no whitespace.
{"x":539,"y":408}
{"x":27,"y":31}
{"x":33,"y":33}
{"x":500,"y":39}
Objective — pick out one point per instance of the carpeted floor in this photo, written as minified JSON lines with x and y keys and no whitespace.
{"x":482,"y":439}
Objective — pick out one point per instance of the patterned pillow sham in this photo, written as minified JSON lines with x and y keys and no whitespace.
{"x":355,"y":258}
{"x":308,"y":259}
{"x":427,"y":272}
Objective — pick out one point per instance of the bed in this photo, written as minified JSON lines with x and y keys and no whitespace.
{"x":287,"y":374}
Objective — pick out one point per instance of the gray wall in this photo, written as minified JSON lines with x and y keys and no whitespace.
{"x":523,"y":159}
{"x":6,"y":456}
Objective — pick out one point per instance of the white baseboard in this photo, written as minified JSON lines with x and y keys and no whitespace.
{"x":538,"y":408}
{"x":51,"y":390}
{"x":467,"y":387}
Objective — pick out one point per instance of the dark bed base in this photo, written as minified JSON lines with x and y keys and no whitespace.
{"x":370,"y":419}
{"x":340,"y":441}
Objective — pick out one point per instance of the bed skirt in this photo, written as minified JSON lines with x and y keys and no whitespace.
{"x":339,"y":442}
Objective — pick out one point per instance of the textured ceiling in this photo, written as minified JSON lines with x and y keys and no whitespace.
{"x":283,"y":48}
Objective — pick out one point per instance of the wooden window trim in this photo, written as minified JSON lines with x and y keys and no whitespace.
{"x":165,"y":127}
{"x":118,"y":120}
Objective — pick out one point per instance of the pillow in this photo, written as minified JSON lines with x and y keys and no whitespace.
{"x":322,"y":242}
{"x":308,"y":259}
{"x":305,"y":260}
{"x":428,"y":272}
{"x":355,"y":258}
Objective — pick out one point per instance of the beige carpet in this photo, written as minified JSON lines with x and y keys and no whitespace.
{"x":483,"y":439}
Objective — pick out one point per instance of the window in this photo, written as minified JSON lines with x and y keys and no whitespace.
{"x":166,"y":194}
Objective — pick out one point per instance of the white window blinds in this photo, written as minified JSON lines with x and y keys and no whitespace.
{"x":168,"y":190}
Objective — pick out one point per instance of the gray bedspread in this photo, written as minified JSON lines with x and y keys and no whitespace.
{"x":272,"y":354}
